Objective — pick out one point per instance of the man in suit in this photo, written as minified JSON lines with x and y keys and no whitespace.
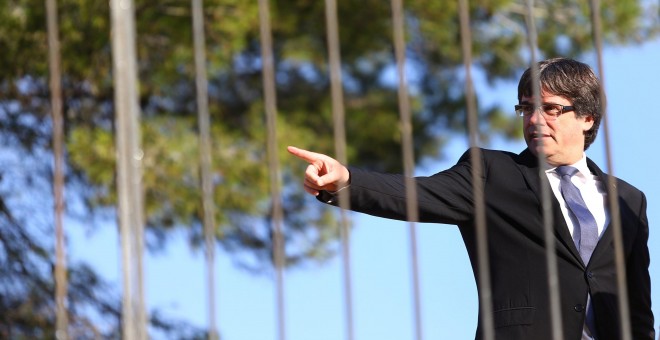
{"x":562,"y":127}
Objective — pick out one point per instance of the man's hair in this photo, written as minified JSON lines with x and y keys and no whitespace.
{"x":572,"y":80}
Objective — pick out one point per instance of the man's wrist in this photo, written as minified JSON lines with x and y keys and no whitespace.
{"x":340,"y":189}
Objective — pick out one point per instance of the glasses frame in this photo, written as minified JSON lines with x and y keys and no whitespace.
{"x":521,"y":112}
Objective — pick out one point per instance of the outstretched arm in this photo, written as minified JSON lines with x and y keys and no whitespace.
{"x":323,"y":172}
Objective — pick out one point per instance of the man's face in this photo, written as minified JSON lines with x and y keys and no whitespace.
{"x":562,"y":139}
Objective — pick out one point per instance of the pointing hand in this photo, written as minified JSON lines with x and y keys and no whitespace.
{"x":323,"y":172}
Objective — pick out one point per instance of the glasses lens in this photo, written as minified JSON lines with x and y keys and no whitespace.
{"x":552,"y":110}
{"x":524,"y":110}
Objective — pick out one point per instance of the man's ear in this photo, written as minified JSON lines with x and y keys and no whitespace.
{"x":588,"y":123}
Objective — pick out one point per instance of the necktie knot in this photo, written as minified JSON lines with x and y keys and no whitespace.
{"x":566,"y":170}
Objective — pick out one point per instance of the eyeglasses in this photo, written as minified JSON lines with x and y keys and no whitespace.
{"x":550,"y":111}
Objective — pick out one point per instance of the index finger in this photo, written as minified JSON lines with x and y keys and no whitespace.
{"x":308,"y":156}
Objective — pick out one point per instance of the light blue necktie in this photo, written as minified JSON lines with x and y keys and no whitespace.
{"x":585,"y":234}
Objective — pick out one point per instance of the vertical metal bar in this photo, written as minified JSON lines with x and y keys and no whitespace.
{"x":612,"y":192}
{"x":550,"y":254}
{"x":129,"y":171}
{"x":408,"y":156}
{"x":340,"y":150}
{"x":205,"y":163}
{"x":273,"y":160}
{"x":54,"y":59}
{"x":485,"y":296}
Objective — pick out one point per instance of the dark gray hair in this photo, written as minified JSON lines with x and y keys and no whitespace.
{"x":572,"y":80}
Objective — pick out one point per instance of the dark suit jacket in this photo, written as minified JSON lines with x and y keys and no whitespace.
{"x":516,"y":244}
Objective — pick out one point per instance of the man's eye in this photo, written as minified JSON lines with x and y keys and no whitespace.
{"x":551,"y":109}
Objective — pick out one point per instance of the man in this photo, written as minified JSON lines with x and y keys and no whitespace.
{"x":561,"y":128}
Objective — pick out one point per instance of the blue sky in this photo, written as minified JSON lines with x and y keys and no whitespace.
{"x":382,"y":291}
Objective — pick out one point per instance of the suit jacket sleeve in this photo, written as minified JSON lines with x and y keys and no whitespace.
{"x":445,"y":197}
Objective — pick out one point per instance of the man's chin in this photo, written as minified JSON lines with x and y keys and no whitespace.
{"x":535,"y":146}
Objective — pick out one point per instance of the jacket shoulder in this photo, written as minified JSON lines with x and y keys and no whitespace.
{"x":490,"y":154}
{"x":621,"y":185}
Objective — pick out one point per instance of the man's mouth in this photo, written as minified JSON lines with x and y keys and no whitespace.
{"x":538,"y":135}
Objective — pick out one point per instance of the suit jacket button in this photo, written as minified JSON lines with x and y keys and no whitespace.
{"x":578,"y":308}
{"x":590,"y":274}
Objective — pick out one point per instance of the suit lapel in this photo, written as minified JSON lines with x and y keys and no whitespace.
{"x":529,"y":167}
{"x":563,"y":234}
{"x":606,"y":239}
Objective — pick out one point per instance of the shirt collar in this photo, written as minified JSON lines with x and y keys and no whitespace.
{"x":581,"y":165}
